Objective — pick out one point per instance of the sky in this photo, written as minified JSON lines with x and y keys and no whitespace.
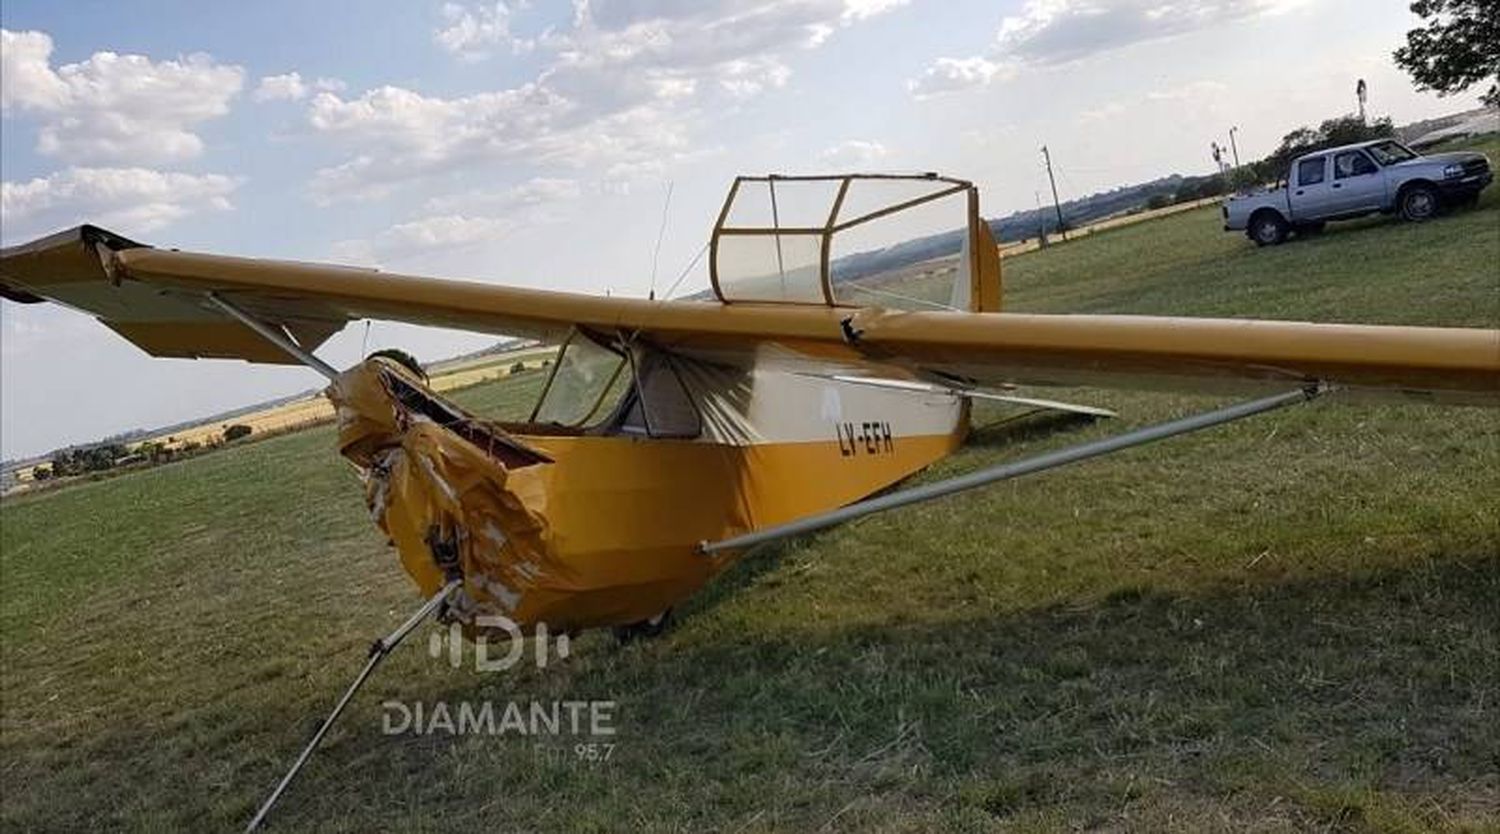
{"x":535,"y":143}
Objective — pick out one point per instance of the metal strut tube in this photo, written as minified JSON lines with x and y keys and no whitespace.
{"x":274,"y":336}
{"x":1015,"y":469}
{"x":378,"y":651}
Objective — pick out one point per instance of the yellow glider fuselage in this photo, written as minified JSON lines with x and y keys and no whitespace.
{"x":601,"y":528}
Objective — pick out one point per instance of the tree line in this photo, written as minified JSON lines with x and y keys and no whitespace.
{"x":1341,"y":130}
{"x":82,"y":460}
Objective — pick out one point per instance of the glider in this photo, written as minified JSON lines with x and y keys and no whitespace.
{"x":673,"y":435}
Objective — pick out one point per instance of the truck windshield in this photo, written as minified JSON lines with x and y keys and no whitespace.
{"x":1390,"y":152}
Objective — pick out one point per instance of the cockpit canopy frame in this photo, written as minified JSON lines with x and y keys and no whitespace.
{"x":765,"y":251}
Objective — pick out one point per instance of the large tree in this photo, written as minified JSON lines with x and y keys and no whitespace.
{"x":1457,"y":48}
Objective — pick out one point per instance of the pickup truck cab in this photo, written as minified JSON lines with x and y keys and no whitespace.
{"x":1352,"y":181}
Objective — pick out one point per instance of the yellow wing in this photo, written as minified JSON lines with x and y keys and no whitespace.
{"x":158,"y":299}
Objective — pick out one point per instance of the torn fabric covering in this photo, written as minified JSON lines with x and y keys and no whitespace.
{"x":573,"y":547}
{"x":446,"y":504}
{"x":579,"y":529}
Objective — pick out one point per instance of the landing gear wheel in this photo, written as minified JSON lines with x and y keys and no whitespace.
{"x":653,"y":627}
{"x":1419,"y":203}
{"x":1267,"y":229}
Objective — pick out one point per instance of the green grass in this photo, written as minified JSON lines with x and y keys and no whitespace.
{"x":1376,"y":270}
{"x":1286,"y":624}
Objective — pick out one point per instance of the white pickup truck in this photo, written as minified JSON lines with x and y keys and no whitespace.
{"x":1355,"y":180}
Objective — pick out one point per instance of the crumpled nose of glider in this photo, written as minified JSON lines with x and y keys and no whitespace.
{"x":447,"y":489}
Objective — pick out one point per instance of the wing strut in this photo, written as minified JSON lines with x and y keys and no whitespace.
{"x":1015,"y":469}
{"x":275,"y":336}
{"x":378,"y":651}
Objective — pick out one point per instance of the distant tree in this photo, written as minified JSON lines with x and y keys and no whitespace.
{"x":1212,"y":186}
{"x":87,"y":459}
{"x":1158,"y":201}
{"x":518,"y":367}
{"x":41,"y":473}
{"x":1457,"y":48}
{"x":1248,"y":176}
{"x":236,"y":431}
{"x":62,"y":463}
{"x":1346,"y":129}
{"x":1341,"y":130}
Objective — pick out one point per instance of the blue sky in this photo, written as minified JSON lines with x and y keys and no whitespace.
{"x":532,"y":143}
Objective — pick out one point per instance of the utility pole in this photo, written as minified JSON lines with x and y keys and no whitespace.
{"x":1041,"y":225}
{"x":1055,"y":203}
{"x":1234,"y":147}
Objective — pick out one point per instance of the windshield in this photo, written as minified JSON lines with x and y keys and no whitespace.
{"x":587,"y":382}
{"x":1390,"y":152}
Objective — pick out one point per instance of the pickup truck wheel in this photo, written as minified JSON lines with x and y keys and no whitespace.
{"x":1267,"y":229}
{"x":1419,"y":202}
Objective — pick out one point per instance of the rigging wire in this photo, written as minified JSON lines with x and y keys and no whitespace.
{"x":660,"y":233}
{"x":686,"y":270}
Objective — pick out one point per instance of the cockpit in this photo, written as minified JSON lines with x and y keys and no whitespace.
{"x":601,"y":385}
{"x":855,"y":240}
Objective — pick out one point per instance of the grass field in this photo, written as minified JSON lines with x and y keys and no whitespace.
{"x":1287,"y":624}
{"x":315,"y":408}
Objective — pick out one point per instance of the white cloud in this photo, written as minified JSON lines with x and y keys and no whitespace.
{"x":406,"y":135}
{"x":26,"y":76}
{"x":1195,"y":91}
{"x":131,"y":199}
{"x":538,"y":191}
{"x":1054,"y":32}
{"x":288,"y":87}
{"x":861,"y":9}
{"x":446,"y":230}
{"x":113,"y":107}
{"x":623,"y":87}
{"x":466,"y":218}
{"x":1103,"y":113}
{"x":422,"y":236}
{"x":749,"y":77}
{"x":351,"y":180}
{"x":1058,"y":31}
{"x":853,"y":152}
{"x":951,"y":75}
{"x":1197,"y":97}
{"x":471,"y":31}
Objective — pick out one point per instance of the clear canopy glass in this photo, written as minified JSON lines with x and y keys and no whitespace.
{"x":861,"y":239}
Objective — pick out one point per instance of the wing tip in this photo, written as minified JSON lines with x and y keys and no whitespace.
{"x":83,"y":233}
